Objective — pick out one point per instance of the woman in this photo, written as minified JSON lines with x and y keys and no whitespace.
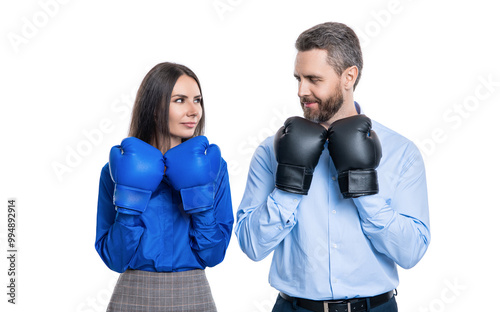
{"x":164,"y":207}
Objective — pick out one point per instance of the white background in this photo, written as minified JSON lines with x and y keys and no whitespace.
{"x":70,"y":69}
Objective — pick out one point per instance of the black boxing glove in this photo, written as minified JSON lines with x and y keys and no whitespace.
{"x":356,"y":152}
{"x":297,"y":147}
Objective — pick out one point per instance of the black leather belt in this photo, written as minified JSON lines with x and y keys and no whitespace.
{"x":347,"y":305}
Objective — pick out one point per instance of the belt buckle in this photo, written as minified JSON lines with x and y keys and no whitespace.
{"x":327,"y":309}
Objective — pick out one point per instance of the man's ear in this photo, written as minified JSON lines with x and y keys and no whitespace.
{"x":349,"y":77}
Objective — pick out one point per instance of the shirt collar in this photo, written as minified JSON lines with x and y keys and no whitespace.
{"x":358,"y":108}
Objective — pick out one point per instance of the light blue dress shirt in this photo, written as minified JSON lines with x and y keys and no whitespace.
{"x":327,"y":247}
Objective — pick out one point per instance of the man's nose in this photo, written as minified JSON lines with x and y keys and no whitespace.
{"x":303,"y":89}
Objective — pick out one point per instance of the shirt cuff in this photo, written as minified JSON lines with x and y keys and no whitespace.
{"x":287,"y":203}
{"x":374,"y":209}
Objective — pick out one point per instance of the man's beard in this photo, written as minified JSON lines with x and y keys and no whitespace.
{"x":326,"y":109}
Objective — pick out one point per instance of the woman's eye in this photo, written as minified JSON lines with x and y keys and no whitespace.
{"x":179,"y":100}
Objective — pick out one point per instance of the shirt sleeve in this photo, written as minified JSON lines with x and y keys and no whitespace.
{"x":266,"y":215}
{"x":399,"y":226}
{"x":210,"y":230}
{"x":117,"y":235}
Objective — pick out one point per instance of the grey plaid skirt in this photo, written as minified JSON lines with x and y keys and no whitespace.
{"x":142,"y":291}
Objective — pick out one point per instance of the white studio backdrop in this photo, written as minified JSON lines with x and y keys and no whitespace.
{"x":70,"y":70}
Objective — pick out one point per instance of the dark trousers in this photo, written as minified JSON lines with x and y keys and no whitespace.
{"x":282,"y":305}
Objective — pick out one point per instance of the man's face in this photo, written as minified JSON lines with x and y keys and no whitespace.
{"x":319,"y":85}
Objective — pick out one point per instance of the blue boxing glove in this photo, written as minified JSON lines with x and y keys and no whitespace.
{"x":137,"y":169}
{"x":191,"y":168}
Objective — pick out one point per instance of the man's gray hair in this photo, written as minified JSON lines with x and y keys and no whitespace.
{"x":339,"y":41}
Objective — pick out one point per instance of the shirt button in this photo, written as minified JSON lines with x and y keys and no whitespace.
{"x":334,"y":211}
{"x":334,"y":245}
{"x":280,"y":227}
{"x":295,"y":200}
{"x":334,"y":178}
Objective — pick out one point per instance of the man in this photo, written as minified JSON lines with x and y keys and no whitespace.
{"x":340,"y":199}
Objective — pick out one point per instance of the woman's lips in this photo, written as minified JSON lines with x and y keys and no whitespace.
{"x":189,"y":124}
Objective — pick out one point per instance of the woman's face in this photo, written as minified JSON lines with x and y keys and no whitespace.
{"x":185,"y":110}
